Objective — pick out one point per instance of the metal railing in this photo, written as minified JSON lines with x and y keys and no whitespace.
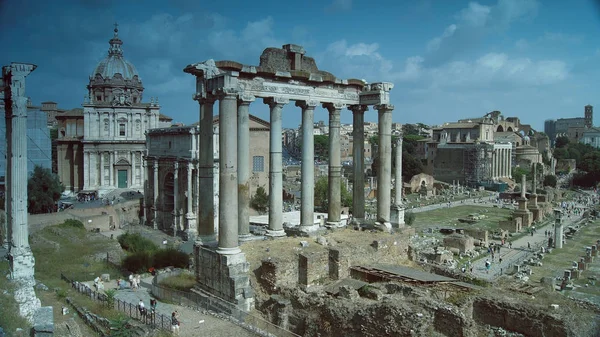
{"x":214,"y":304}
{"x":154,"y":319}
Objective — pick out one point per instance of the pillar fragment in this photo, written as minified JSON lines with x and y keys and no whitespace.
{"x":335,"y":165}
{"x":155,"y":189}
{"x":228,"y":180}
{"x":307,"y":207}
{"x":275,"y":168}
{"x":358,"y":161}
{"x":206,"y":205}
{"x":243,"y":164}
{"x":384,"y":169}
{"x":397,"y":210}
{"x":190,"y":216}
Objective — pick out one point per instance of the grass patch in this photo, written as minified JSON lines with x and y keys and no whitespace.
{"x":10,"y":319}
{"x":182,"y":282}
{"x":448,"y":217}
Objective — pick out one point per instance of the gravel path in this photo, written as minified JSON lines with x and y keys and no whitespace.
{"x":189,"y":319}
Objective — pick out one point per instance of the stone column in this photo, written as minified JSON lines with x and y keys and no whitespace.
{"x":175,"y":198}
{"x":358,"y":161}
{"x":397,"y":210}
{"x":190,"y":217}
{"x":20,"y":257}
{"x":335,"y":165}
{"x":206,"y":206}
{"x":156,"y":190}
{"x":101,"y":178}
{"x":307,"y":207}
{"x":275,"y":174}
{"x":558,"y":229}
{"x":384,"y":170}
{"x":243,"y":164}
{"x":228,"y":180}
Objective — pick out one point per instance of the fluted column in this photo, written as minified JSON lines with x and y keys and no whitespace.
{"x":275,"y":168}
{"x":335,"y":164}
{"x":175,"y":198}
{"x":155,"y":190}
{"x":358,"y":161}
{"x":398,"y":171}
{"x":206,"y":206}
{"x":228,"y":180}
{"x":190,"y":217}
{"x":243,"y":164}
{"x":384,"y":174}
{"x":307,"y":207}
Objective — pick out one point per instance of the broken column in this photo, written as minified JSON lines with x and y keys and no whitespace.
{"x":522,"y":211}
{"x":558,"y":229}
{"x":397,"y":210}
{"x":384,"y":169}
{"x":533,"y":205}
{"x":21,"y":260}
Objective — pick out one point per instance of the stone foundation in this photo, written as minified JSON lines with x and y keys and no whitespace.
{"x":224,"y":276}
{"x":339,"y":265}
{"x":397,"y":216}
{"x":43,"y":323}
{"x":525,"y":215}
{"x":311,"y":268}
{"x":22,"y":267}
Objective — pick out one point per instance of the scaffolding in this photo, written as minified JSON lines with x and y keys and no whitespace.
{"x":477,"y":164}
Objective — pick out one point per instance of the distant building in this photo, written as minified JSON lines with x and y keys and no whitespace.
{"x":591,"y":136}
{"x":39,"y":145}
{"x":570,"y":127}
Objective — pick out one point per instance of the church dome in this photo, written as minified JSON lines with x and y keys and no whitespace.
{"x":115,"y":63}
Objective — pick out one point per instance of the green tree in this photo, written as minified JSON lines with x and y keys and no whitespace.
{"x":260,"y":200}
{"x":43,"y":190}
{"x":561,"y":142}
{"x":321,"y":147}
{"x":409,"y":218}
{"x":519,"y":171}
{"x":121,"y":327}
{"x":550,"y":180}
{"x":322,"y":194}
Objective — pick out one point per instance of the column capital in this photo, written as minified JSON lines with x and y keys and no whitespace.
{"x":202,"y":99}
{"x":307,"y":105}
{"x":226,"y":93}
{"x":386,"y":107}
{"x":333,"y":107}
{"x":275,"y":101}
{"x":245,"y":99}
{"x":358,"y":108}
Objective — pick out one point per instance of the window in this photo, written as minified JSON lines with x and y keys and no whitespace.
{"x":258,"y":164}
{"x":99,"y":98}
{"x":122,"y":129}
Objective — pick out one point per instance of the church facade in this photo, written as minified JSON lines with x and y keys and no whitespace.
{"x":106,"y":151}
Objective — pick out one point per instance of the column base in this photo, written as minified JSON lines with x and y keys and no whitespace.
{"x":357,"y":221}
{"x":275,"y":233}
{"x":22,"y":263}
{"x":308,"y":228}
{"x":190,"y":232}
{"x":207,"y":241}
{"x":228,"y":251}
{"x":244,"y":237}
{"x":397,"y":215}
{"x":333,"y":224}
{"x":385,"y":226}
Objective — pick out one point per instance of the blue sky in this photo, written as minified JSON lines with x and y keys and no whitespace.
{"x":448,"y":59}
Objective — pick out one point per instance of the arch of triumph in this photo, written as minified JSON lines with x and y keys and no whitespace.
{"x":284,"y":75}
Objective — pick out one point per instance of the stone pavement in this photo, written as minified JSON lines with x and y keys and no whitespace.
{"x":518,"y":252}
{"x":189,"y":319}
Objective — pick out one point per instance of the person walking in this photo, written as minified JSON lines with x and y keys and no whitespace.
{"x":175,"y":323}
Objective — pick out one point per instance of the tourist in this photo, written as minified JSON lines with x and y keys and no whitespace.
{"x":142,"y":307}
{"x":152,"y":306}
{"x":131,"y":281}
{"x":175,"y":323}
{"x":488,"y":265}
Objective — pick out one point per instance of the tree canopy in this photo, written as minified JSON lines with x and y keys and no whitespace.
{"x":43,"y":190}
{"x":322,"y":196}
{"x":260,"y":200}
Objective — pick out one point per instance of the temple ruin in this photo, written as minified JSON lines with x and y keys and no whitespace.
{"x":283,"y":75}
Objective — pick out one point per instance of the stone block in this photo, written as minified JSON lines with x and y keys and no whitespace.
{"x":581,"y":265}
{"x":339,"y":265}
{"x":43,"y":322}
{"x":105,"y":277}
{"x":574,"y":274}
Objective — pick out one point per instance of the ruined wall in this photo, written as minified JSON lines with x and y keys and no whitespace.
{"x":448,"y":165}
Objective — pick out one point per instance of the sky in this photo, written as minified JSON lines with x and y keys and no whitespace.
{"x":448,"y":59}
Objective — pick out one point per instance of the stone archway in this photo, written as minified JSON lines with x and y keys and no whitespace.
{"x":500,"y":129}
{"x":509,"y":129}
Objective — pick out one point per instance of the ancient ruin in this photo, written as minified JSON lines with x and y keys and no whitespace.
{"x":20,"y":257}
{"x":283,"y":75}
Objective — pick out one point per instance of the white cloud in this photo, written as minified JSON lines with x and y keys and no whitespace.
{"x":339,"y":6}
{"x":252,"y":40}
{"x":522,"y":44}
{"x":475,"y":15}
{"x":561,"y":38}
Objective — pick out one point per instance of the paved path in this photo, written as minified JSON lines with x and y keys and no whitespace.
{"x":189,"y":319}
{"x":518,"y":252}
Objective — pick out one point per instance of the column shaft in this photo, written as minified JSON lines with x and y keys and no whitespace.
{"x":155,"y":190}
{"x":228,"y":179}
{"x":206,"y":206}
{"x":243,"y":164}
{"x":275,"y":171}
{"x":398,"y":172}
{"x":384,"y":173}
{"x":335,"y":164}
{"x":358,"y":160}
{"x":307,"y":207}
{"x":176,"y":199}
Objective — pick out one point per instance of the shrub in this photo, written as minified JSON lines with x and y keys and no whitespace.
{"x":182,"y":282}
{"x":138,"y":262}
{"x":170,"y":257}
{"x":550,"y":180}
{"x":409,"y":218}
{"x":72,"y":223}
{"x":134,"y":243}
